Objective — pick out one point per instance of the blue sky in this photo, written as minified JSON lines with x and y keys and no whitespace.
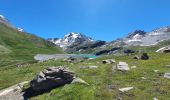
{"x":100,"y":19}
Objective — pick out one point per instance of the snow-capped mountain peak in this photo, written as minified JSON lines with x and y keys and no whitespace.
{"x":135,"y":37}
{"x":2,"y":17}
{"x":70,"y":39}
{"x":20,"y":29}
{"x":3,"y":20}
{"x":72,"y":34}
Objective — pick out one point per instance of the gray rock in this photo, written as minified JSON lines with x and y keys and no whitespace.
{"x":79,"y":80}
{"x":109,"y":61}
{"x":155,"y":98}
{"x":156,"y":71}
{"x":167,"y":75}
{"x":88,"y":67}
{"x":93,"y":67}
{"x":84,"y":67}
{"x":51,"y":77}
{"x":123,"y":66}
{"x":133,"y":67}
{"x":13,"y":92}
{"x":113,"y":67}
{"x":164,"y":49}
{"x":125,"y":89}
{"x":136,"y":57}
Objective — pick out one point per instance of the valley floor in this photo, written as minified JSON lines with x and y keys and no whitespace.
{"x":104,"y":82}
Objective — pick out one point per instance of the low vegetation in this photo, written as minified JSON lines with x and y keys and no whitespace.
{"x":20,"y":47}
{"x":104,"y":83}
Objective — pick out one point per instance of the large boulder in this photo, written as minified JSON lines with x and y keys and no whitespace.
{"x":51,"y":78}
{"x":164,"y":49}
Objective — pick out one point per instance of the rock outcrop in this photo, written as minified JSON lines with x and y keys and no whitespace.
{"x":51,"y":78}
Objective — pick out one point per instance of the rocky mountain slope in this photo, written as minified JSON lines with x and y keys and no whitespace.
{"x":79,"y":43}
{"x":148,"y":38}
{"x":17,"y":46}
{"x":71,"y":39}
{"x":76,"y":42}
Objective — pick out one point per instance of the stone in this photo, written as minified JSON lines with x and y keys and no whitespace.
{"x":93,"y":67}
{"x":113,"y":67}
{"x":108,"y":61}
{"x":88,"y":67}
{"x":167,"y":75}
{"x":128,"y":51}
{"x":123,"y":66}
{"x":79,"y":80}
{"x":144,"y":78}
{"x":51,"y":77}
{"x":144,"y":56}
{"x":14,"y":92}
{"x":155,"y":98}
{"x":133,"y":67}
{"x":84,"y":67}
{"x":136,"y":57}
{"x":125,"y":89}
{"x":156,"y":71}
{"x":168,"y":66}
{"x":111,"y":87}
{"x":164,"y":50}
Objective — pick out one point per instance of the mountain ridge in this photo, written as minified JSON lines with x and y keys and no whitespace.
{"x":136,"y":38}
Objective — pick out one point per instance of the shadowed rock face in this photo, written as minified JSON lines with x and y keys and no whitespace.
{"x":51,"y":78}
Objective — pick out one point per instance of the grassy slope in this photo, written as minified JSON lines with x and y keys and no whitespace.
{"x":99,"y":79}
{"x":18,"y":47}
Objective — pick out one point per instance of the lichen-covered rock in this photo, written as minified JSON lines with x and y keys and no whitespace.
{"x":51,"y":78}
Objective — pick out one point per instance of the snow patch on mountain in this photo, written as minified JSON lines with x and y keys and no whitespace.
{"x":70,"y":39}
{"x":7,"y":23}
{"x":20,"y":29}
{"x":1,"y":16}
{"x":148,"y":38}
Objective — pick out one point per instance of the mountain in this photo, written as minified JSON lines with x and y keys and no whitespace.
{"x":5,"y":21}
{"x":71,"y":39}
{"x":148,"y":38}
{"x":77,"y":43}
{"x":136,"y":38}
{"x":17,"y":46}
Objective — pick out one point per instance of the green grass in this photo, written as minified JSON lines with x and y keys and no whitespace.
{"x":20,"y":47}
{"x":99,"y":79}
